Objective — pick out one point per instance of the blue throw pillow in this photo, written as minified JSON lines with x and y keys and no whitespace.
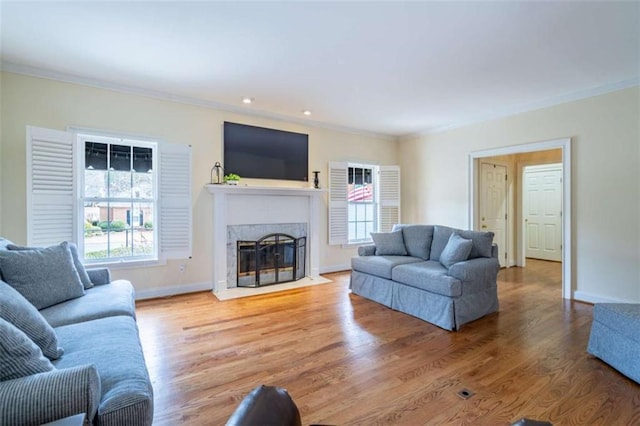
{"x":45,"y":277}
{"x":17,"y":310}
{"x":19,"y":356}
{"x":456,"y":250}
{"x":82,"y":272}
{"x":389,"y":243}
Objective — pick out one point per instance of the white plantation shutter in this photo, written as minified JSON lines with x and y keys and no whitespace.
{"x":389,"y":183}
{"x":174,"y":201}
{"x":338,"y":208}
{"x":51,"y":187}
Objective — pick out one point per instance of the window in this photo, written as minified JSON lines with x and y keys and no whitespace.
{"x":363,"y":198}
{"x":362,"y":202}
{"x":119,"y":202}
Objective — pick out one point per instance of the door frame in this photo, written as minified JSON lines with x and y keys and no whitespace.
{"x":565,"y":145}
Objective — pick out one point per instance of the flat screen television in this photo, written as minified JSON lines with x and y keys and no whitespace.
{"x":261,"y":153}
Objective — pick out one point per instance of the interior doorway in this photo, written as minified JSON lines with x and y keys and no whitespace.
{"x":542,"y":211}
{"x":551,"y":159}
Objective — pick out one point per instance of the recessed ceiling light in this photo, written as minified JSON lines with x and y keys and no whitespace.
{"x":246,"y":100}
{"x":306,"y":112}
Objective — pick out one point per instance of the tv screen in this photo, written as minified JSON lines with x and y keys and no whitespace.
{"x":257,"y":152}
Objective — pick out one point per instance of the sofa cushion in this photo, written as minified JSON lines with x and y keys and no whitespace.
{"x":417,"y":239}
{"x":17,"y":310}
{"x":115,"y":298}
{"x":113,"y":346}
{"x":456,"y":250}
{"x":82,"y":273}
{"x":19,"y":356}
{"x":428,"y":275}
{"x":43,"y":276}
{"x":389,"y":243}
{"x":380,"y":266}
{"x":481,"y":247}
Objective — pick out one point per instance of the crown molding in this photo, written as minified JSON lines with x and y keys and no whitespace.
{"x":519,"y":109}
{"x":166,"y":96}
{"x":475,"y":119}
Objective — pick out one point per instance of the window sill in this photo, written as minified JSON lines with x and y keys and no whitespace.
{"x":126,"y":264}
{"x":357,"y":244}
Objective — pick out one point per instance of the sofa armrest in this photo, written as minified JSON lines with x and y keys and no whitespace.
{"x":99,"y":276}
{"x":495,"y":251}
{"x":369,"y":250}
{"x":479,"y":270}
{"x":45,"y":397}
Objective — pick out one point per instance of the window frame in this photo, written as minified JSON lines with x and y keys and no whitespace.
{"x":388,"y":198}
{"x":374,"y":168}
{"x":52,"y":188}
{"x":84,"y":136}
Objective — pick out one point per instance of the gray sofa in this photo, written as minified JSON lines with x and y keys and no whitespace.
{"x":442,"y":275}
{"x":85,"y":356}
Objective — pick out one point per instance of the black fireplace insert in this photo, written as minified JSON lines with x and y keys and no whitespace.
{"x":273,"y":259}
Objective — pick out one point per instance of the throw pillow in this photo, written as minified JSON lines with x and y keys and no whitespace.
{"x":482,"y":243}
{"x":17,"y":310}
{"x":44,"y":277}
{"x":389,"y":243}
{"x":19,"y":356}
{"x":82,"y":272}
{"x":456,"y":250}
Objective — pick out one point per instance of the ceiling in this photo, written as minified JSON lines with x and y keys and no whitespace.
{"x":387,"y":68}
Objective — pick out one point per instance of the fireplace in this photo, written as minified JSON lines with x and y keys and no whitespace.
{"x":288,"y":210}
{"x":274,"y":258}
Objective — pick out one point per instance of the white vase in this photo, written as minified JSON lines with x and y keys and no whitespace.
{"x":232,"y":182}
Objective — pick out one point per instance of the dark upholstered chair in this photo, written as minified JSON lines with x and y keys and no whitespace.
{"x":266,"y":405}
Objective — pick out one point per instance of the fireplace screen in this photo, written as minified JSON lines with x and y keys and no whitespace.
{"x":273,"y":259}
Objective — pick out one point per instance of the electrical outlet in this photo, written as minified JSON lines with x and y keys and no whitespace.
{"x":182,"y":267}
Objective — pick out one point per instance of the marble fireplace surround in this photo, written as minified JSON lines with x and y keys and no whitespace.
{"x":235,"y":206}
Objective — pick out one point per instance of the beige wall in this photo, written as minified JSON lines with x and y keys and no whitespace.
{"x":57,"y":105}
{"x":605,"y":137}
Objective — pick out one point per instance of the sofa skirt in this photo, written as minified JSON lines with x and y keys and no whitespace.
{"x":373,"y":288}
{"x":431,"y":307}
{"x":446,"y":312}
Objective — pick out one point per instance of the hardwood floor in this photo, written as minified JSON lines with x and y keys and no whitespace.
{"x":347,"y":360}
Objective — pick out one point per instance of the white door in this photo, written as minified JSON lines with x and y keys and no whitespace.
{"x":493,"y":205}
{"x":543,"y":211}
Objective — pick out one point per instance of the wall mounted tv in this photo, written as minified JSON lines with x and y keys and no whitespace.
{"x":257,"y":152}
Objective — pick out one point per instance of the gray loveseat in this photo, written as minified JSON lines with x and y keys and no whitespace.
{"x":81,"y":355}
{"x":442,"y":275}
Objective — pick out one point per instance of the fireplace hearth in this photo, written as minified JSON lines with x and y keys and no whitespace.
{"x":273,"y":259}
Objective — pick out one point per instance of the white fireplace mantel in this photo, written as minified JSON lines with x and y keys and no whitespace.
{"x":253,"y":205}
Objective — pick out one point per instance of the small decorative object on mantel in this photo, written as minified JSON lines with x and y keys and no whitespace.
{"x":219,"y":173}
{"x":232,"y":179}
{"x":316,"y":181}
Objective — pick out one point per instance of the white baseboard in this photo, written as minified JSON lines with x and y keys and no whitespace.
{"x":335,"y":268}
{"x":152,"y":293}
{"x":583,"y":296}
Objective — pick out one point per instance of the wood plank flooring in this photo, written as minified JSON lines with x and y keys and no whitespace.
{"x":347,"y":360}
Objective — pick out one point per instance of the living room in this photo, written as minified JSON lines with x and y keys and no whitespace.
{"x":600,"y":120}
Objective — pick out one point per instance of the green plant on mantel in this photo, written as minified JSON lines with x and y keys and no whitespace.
{"x":231,"y":177}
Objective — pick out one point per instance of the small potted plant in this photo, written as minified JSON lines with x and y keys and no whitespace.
{"x":232,"y":179}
